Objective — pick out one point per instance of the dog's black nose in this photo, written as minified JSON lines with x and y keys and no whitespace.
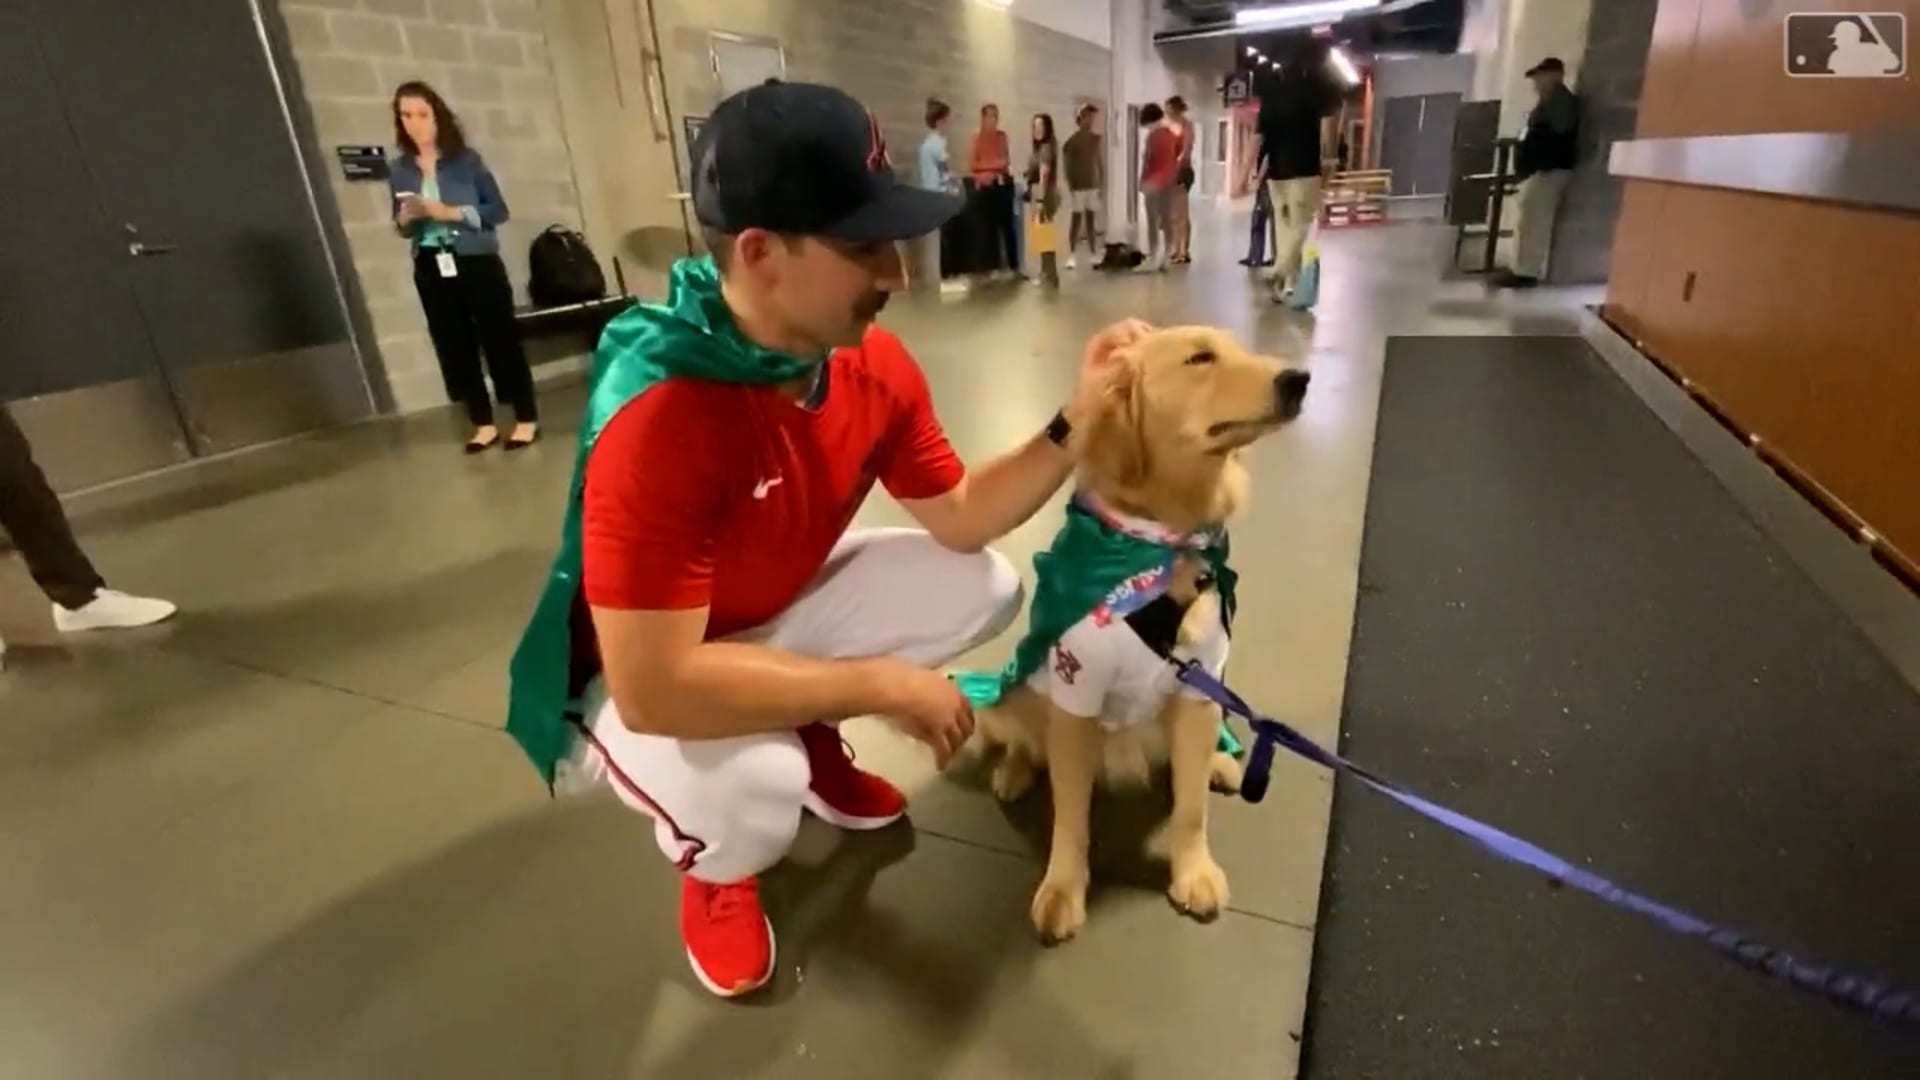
{"x":1291,"y":387}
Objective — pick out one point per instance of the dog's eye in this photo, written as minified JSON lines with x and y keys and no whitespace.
{"x":1202,"y":358}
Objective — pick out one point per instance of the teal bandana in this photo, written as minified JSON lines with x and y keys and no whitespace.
{"x":1095,"y":560}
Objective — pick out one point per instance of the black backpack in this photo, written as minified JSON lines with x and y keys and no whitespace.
{"x":561,"y":269}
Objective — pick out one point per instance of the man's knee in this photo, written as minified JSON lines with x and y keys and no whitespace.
{"x":759,"y":785}
{"x":994,"y":595}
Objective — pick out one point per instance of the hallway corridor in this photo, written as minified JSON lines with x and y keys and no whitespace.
{"x":284,"y":835}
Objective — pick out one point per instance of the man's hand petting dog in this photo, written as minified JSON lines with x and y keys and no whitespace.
{"x":925,"y":705}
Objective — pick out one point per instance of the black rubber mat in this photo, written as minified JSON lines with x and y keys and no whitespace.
{"x":1568,"y":629}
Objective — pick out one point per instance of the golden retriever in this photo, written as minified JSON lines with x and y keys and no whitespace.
{"x":1167,"y":449}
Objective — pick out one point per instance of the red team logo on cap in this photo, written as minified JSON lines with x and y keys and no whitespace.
{"x":877,"y":160}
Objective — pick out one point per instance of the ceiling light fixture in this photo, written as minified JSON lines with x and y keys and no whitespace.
{"x":1304,"y":14}
{"x":1344,"y":65}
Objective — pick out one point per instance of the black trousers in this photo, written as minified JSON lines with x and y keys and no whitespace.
{"x":1006,"y":213}
{"x":33,"y":519}
{"x":469,"y":314}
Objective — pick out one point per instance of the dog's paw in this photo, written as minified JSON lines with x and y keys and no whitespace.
{"x":1199,"y":888}
{"x":1060,"y":908}
{"x":1012,"y":776}
{"x":1224,"y":773}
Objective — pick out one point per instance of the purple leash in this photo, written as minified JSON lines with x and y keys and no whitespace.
{"x":1873,"y":996}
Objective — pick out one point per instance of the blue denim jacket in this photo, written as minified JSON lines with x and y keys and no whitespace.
{"x":465,"y":182}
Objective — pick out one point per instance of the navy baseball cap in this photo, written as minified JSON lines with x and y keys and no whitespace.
{"x":1551,"y":63}
{"x":807,"y":160}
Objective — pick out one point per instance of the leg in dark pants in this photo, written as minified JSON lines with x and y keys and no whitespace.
{"x":32,"y":516}
{"x":1006,"y":223}
{"x":456,"y":342}
{"x":489,"y":297}
{"x":1010,"y":221}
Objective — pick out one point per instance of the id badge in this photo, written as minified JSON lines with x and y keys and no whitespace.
{"x":448,"y":268}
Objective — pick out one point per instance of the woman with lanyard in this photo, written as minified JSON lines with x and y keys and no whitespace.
{"x":448,"y":204}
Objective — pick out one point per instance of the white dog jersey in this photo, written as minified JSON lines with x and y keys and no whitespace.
{"x":1101,"y":667}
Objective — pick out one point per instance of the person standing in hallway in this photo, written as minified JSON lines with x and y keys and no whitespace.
{"x":991,"y":163}
{"x":1296,"y":138}
{"x":1085,"y":159}
{"x":1180,"y":198}
{"x":705,"y":626}
{"x":1159,"y":177}
{"x":448,"y":204}
{"x":1043,"y":194}
{"x":942,"y":250}
{"x":1544,"y":163}
{"x":33,"y":519}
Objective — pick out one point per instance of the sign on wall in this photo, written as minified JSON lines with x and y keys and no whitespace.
{"x":362,"y":162}
{"x":1237,"y":90}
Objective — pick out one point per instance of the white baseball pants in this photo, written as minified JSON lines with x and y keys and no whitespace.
{"x":727,"y":809}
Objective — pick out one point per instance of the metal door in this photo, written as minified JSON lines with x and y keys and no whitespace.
{"x":179,"y":112}
{"x":1417,"y":142}
{"x":740,"y":61}
{"x":1434,"y":153}
{"x":1400,"y":139}
{"x":75,"y":359}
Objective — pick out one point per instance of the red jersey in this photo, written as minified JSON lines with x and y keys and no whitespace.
{"x":730,"y":496}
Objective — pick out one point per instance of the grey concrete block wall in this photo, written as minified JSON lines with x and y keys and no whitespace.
{"x":1619,"y":35}
{"x":893,"y":55}
{"x":489,"y":59}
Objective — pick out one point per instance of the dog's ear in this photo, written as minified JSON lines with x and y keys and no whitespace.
{"x":1116,"y":448}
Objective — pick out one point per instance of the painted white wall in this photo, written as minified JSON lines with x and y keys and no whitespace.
{"x":1506,"y":37}
{"x":1139,"y":76}
{"x":1510,"y":36}
{"x":1088,"y":20}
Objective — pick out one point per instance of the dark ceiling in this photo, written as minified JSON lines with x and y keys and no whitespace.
{"x":1430,"y":27}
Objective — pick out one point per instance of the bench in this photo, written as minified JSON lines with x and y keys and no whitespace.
{"x":587,"y":318}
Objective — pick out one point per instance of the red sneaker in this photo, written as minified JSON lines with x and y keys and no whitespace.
{"x":729,"y":940}
{"x":841,"y":794}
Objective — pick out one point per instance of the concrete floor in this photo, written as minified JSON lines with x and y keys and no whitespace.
{"x":283,"y":836}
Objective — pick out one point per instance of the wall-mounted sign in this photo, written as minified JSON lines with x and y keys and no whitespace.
{"x":1238,"y":89}
{"x":362,"y":162}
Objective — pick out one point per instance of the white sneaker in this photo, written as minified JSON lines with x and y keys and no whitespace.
{"x":1072,"y":263}
{"x":111,"y":610}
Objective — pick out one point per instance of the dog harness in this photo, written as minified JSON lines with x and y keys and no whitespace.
{"x":1101,"y":626}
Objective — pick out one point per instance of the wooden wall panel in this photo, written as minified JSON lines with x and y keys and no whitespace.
{"x":1717,"y":67}
{"x":1803,"y":327}
{"x":1803,"y":324}
{"x":1664,"y":96}
{"x":1739,"y":82}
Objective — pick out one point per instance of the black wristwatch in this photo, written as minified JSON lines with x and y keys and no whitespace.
{"x":1059,"y":428}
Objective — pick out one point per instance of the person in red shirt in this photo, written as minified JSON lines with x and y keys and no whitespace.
{"x":728,"y":616}
{"x":1159,"y":174}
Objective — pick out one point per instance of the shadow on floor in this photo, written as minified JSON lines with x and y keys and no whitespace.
{"x":597,"y":974}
